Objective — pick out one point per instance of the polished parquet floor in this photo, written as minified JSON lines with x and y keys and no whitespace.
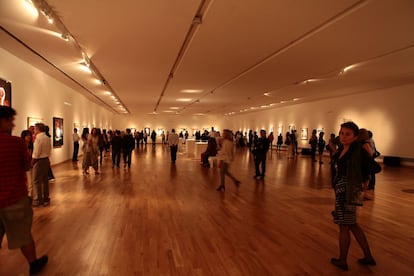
{"x":163,"y":219}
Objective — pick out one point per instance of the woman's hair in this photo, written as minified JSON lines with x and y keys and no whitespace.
{"x":25,"y":133}
{"x":352,"y":126}
{"x":363,"y":135}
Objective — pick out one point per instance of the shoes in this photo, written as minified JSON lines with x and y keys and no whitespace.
{"x":221,"y":188}
{"x":237,"y":183}
{"x":37,"y":265}
{"x":339,"y":264}
{"x":51,"y":180}
{"x":96,"y":172}
{"x":256,"y":176}
{"x":85,"y":172}
{"x":367,"y":261}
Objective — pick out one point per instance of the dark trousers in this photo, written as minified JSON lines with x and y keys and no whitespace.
{"x":260,"y":160}
{"x":173,"y":152}
{"x":127,"y":157}
{"x":116,"y":157}
{"x":75,"y":151}
{"x":40,"y":180}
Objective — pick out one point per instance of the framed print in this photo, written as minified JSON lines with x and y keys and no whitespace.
{"x":5,"y":93}
{"x":57,"y":132}
{"x":304,"y":133}
{"x":31,"y":121}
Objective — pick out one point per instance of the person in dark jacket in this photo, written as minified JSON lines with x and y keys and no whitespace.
{"x":210,"y":151}
{"x":260,"y":148}
{"x":128,"y":145}
{"x":116,"y":143}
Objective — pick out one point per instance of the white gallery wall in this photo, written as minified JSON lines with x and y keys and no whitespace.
{"x":40,"y":97}
{"x":387,"y":113}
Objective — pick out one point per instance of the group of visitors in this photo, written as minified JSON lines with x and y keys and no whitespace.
{"x":351,"y":158}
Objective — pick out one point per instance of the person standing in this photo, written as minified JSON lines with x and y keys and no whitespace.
{"x":260,"y":148}
{"x":41,"y":165}
{"x":75,"y":138}
{"x":271,"y":138}
{"x":116,"y":142}
{"x":352,"y":163}
{"x":226,"y":157}
{"x":313,"y":142}
{"x":173,"y":143}
{"x":279,"y":142}
{"x":321,"y":146}
{"x":14,"y":162}
{"x":128,"y":145}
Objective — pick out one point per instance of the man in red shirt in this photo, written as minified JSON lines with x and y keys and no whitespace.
{"x":16,"y":212}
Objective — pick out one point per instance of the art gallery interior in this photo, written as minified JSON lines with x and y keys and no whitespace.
{"x":196,"y":64}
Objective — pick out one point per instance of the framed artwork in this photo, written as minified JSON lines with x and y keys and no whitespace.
{"x":31,"y":121}
{"x":57,"y":132}
{"x":5,"y":93}
{"x":304,"y":133}
{"x":292,"y":128}
{"x":147,"y":130}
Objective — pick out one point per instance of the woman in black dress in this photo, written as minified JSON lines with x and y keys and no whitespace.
{"x":352,"y":168}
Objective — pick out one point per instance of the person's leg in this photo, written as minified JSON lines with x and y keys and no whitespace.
{"x":129,"y":158}
{"x":227,"y":172}
{"x":256,"y":166}
{"x":37,"y":180}
{"x":362,"y":241}
{"x":344,"y":242}
{"x":371,"y":185}
{"x":45,"y":182}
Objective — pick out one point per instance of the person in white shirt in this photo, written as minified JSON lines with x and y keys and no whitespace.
{"x":40,"y":162}
{"x":173,"y":143}
{"x":75,"y":139}
{"x":225,"y":156}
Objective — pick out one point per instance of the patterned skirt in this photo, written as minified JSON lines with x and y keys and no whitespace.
{"x":344,"y":214}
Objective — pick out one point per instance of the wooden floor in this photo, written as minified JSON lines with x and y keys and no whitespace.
{"x":165,"y":219}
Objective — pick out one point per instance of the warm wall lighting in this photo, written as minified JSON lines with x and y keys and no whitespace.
{"x":191,"y":91}
{"x":28,"y":4}
{"x":183,"y":100}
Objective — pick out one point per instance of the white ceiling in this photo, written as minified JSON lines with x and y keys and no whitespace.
{"x":148,"y":52}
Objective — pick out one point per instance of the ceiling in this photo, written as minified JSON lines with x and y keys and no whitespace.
{"x":212,"y":57}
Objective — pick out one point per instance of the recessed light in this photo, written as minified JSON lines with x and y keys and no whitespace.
{"x":174,"y":107}
{"x":183,"y":100}
{"x":191,"y":91}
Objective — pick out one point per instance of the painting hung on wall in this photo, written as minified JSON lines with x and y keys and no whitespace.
{"x":57,"y":132}
{"x":304,"y":133}
{"x":5,"y":93}
{"x":31,"y":121}
{"x":280,"y":130}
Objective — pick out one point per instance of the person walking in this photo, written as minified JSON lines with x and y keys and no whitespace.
{"x":352,"y":163}
{"x":75,"y":138}
{"x":41,"y":166}
{"x":16,"y":213}
{"x":173,"y":143}
{"x":225,"y":156}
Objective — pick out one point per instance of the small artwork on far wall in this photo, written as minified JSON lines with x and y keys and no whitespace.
{"x":304,"y":133}
{"x":31,"y":121}
{"x":57,"y":132}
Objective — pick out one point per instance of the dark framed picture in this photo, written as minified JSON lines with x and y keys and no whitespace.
{"x":5,"y":93}
{"x":57,"y":132}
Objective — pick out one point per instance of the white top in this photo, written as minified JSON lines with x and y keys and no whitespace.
{"x":41,"y":146}
{"x":226,"y":151}
{"x":173,"y":139}
{"x":75,"y":137}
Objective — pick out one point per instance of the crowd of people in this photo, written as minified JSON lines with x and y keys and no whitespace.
{"x":26,"y":171}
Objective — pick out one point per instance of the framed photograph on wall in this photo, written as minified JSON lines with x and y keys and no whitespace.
{"x":304,"y":133}
{"x":57,"y":132}
{"x":5,"y":93}
{"x":31,"y":121}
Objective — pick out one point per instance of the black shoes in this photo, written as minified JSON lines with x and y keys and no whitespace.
{"x":339,"y":264}
{"x":237,"y":183}
{"x":221,"y":188}
{"x":367,"y":261}
{"x":37,"y":265}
